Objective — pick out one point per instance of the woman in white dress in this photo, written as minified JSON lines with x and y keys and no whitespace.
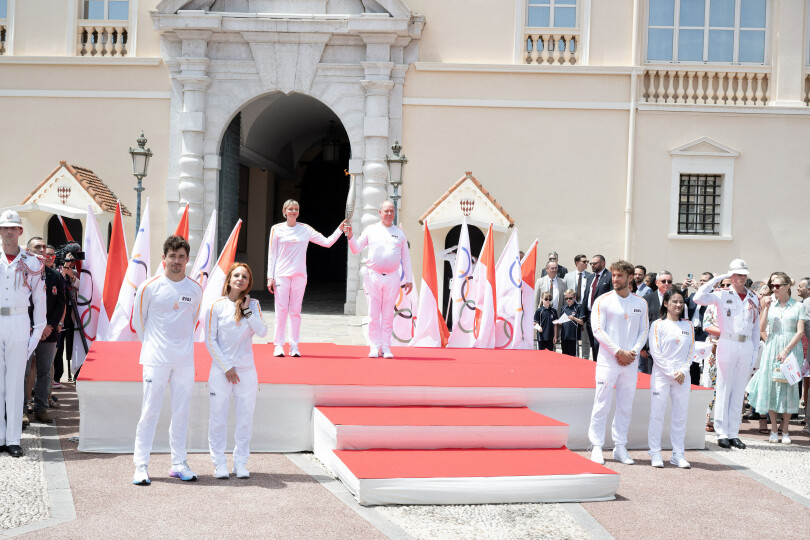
{"x":230,"y":325}
{"x":287,"y":271}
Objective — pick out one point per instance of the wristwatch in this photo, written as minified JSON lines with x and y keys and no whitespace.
{"x":246,"y":313}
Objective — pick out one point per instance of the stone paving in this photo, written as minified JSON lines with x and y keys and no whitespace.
{"x":23,"y":488}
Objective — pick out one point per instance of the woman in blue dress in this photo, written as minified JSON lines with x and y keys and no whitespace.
{"x":784,"y":319}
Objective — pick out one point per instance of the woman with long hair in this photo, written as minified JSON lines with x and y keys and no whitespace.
{"x":783,"y":318}
{"x":287,"y":271}
{"x":230,"y":325}
{"x":672,"y":340}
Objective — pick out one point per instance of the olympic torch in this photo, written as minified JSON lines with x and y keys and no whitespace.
{"x":350,"y":197}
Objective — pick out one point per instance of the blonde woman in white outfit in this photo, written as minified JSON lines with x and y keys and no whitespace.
{"x":230,"y":325}
{"x":672,"y":340}
{"x":287,"y":271}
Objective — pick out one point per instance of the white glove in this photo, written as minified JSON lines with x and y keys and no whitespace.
{"x":32,"y":346}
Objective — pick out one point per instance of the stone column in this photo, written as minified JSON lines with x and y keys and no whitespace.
{"x":193,"y":76}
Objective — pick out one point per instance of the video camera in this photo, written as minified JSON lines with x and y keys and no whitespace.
{"x":68,"y":252}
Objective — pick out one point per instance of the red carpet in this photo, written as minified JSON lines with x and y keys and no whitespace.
{"x":437,"y":416}
{"x":330,"y":364}
{"x":377,"y":464}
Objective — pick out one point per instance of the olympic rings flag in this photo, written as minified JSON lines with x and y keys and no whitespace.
{"x":120,"y":328}
{"x":486,"y":298}
{"x":181,"y":230}
{"x":91,"y":286}
{"x":204,"y":263}
{"x":431,"y":330}
{"x":404,"y":312}
{"x":523,"y":333}
{"x":213,"y":289}
{"x":507,"y":283}
{"x":461,"y":296}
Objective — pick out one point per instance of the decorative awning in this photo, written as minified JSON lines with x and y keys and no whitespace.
{"x":468,"y":199}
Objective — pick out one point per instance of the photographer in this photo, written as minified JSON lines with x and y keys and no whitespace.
{"x":67,"y":258}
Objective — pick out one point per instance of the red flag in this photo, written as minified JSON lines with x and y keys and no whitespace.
{"x":182,"y":227}
{"x":117,"y":262}
{"x":486,"y":305}
{"x":64,"y":228}
{"x":216,"y":281}
{"x":431,"y":330}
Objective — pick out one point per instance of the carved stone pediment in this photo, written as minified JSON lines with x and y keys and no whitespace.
{"x":468,"y":199}
{"x":397,"y":9}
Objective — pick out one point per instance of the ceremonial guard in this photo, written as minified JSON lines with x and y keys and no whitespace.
{"x":21,"y":283}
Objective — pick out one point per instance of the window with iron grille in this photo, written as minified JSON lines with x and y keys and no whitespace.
{"x":699,"y":204}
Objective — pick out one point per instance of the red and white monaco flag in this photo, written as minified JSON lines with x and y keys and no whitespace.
{"x":507,"y":280}
{"x":137,"y":272}
{"x":431,"y":330}
{"x":213,"y":289}
{"x":486,"y":303}
{"x":89,"y":299}
{"x":523,"y":325}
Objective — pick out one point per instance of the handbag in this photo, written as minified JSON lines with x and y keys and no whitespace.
{"x":777,"y":375}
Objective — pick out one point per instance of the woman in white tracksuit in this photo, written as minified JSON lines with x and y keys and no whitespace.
{"x":672,"y":340}
{"x":230,"y":325}
{"x":287,"y":271}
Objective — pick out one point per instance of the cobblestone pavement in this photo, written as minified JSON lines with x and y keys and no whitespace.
{"x":23,"y":488}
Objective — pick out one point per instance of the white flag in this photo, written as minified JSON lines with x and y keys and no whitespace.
{"x":522,"y":328}
{"x":486,"y":296}
{"x":120,"y":328}
{"x":91,"y":289}
{"x":213,"y":290}
{"x":462,"y":301}
{"x":204,"y":263}
{"x":507,"y":283}
{"x":405,"y":310}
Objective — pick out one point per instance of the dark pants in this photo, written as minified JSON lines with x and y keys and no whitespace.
{"x":63,"y":349}
{"x":569,"y":347}
{"x":43,"y":357}
{"x":645,"y":364}
{"x":547,"y":344}
{"x":694,"y":373}
{"x":594,"y":342}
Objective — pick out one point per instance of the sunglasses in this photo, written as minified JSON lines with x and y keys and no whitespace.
{"x":725,"y":285}
{"x":569,"y":297}
{"x":776,"y":286}
{"x":665,"y":280}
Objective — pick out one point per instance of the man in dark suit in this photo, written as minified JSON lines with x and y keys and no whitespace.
{"x":663,"y":282}
{"x":695,"y":313}
{"x":599,"y":283}
{"x":561,"y":270}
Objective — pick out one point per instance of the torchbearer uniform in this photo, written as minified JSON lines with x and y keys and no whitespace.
{"x":387,"y":250}
{"x":287,"y":266}
{"x":230,"y":343}
{"x":165,"y":314}
{"x":618,"y":324}
{"x":737,"y":348}
{"x":21,"y":281}
{"x":671,"y":347}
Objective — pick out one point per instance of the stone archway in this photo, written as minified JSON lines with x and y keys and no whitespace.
{"x":353,"y":62}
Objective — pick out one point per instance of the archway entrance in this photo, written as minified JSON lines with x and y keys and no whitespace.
{"x":283,"y":147}
{"x":56,"y":234}
{"x":451,"y":240}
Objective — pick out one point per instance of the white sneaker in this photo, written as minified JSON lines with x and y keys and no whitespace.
{"x":620,"y":454}
{"x":774,"y":438}
{"x":657,"y":461}
{"x":786,"y":438}
{"x":386,"y":352}
{"x":596,"y":455}
{"x":678,"y":459}
{"x":374,"y":352}
{"x":182,"y":471}
{"x":141,"y":477}
{"x":294,"y":350}
{"x":240,"y":470}
{"x":221,"y":471}
{"x":278,"y":351}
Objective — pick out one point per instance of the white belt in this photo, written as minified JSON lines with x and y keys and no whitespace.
{"x":6,"y":311}
{"x":734,"y":337}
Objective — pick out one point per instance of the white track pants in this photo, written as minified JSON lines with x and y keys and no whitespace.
{"x":288,"y":298}
{"x":662,"y":389}
{"x":624,"y":379}
{"x":14,"y":333}
{"x":734,"y":361}
{"x":244,"y":393}
{"x":381,"y":294}
{"x":155,"y":380}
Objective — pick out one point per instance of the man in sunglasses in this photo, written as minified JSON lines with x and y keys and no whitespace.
{"x":663,"y":282}
{"x":738,"y":321}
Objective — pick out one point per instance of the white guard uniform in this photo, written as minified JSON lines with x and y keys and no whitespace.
{"x":165,"y":314}
{"x":671,"y":346}
{"x":287,"y":265}
{"x":618,"y":324}
{"x":387,"y":250}
{"x":231,"y":346}
{"x":21,"y":280}
{"x":737,"y":350}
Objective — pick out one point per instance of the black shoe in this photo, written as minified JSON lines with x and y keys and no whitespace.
{"x":753,"y":416}
{"x":3,"y":448}
{"x":723,"y":443}
{"x":14,"y":450}
{"x":736,"y":443}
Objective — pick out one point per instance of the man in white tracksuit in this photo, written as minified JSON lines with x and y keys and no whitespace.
{"x":738,"y":313}
{"x":22,"y":281}
{"x":166,"y":311}
{"x":619,"y":322}
{"x":387,"y":250}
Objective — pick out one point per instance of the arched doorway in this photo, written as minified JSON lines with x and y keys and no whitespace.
{"x":56,"y":234}
{"x":451,"y":240}
{"x":283,"y":147}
